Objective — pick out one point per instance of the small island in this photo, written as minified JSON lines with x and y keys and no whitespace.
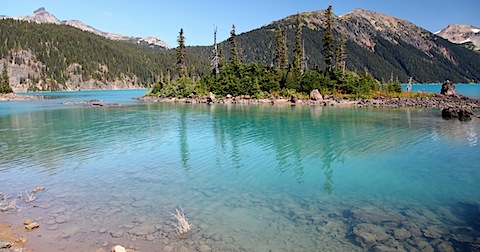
{"x":293,"y":83}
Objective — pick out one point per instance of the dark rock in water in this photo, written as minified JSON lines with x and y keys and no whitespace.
{"x":448,"y":88}
{"x":449,"y":113}
{"x":469,"y":212}
{"x":210,"y":98}
{"x":293,"y":99}
{"x":461,"y":113}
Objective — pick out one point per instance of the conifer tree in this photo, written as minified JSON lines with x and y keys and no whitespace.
{"x":5,"y":81}
{"x":328,"y":39}
{"x":340,"y":55}
{"x":181,"y":50}
{"x":233,"y":58}
{"x":221,"y":56}
{"x":298,"y":52}
{"x":280,"y":50}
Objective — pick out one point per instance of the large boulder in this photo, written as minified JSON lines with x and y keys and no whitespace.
{"x":448,"y":89}
{"x":315,"y":95}
{"x":293,"y":99}
{"x":210,"y":98}
{"x":461,"y":113}
{"x":118,"y":248}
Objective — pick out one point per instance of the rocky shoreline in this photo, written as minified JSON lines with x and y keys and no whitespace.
{"x":436,"y":101}
{"x":10,"y":241}
{"x":19,"y":97}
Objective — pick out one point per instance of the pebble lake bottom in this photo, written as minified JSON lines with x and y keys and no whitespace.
{"x":249,"y":178}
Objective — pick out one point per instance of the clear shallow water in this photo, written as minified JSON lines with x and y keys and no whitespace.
{"x":470,"y":90}
{"x":250,"y":178}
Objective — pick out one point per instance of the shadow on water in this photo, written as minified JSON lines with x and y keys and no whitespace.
{"x":299,"y":137}
{"x":469,"y":212}
{"x":184,"y":141}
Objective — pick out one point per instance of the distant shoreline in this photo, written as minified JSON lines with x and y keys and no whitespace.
{"x":19,"y":97}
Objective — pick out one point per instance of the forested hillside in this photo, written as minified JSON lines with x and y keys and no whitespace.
{"x":53,"y":54}
{"x":60,"y":57}
{"x":402,"y":50}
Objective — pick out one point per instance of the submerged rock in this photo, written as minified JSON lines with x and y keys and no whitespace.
{"x":62,"y":219}
{"x":432,"y":232}
{"x":4,"y":245}
{"x":204,"y":248}
{"x":369,"y":235}
{"x":462,"y":114}
{"x":401,"y":234}
{"x":32,"y":226}
{"x":375,"y":215}
{"x":183,"y":249}
{"x":118,"y":248}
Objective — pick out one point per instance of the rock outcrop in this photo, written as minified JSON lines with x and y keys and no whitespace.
{"x":315,"y":95}
{"x":27,"y":74}
{"x":448,"y":88}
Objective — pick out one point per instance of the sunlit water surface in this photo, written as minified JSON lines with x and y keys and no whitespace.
{"x":249,"y":178}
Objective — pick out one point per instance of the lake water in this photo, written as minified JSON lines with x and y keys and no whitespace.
{"x":470,"y":90}
{"x":249,"y":178}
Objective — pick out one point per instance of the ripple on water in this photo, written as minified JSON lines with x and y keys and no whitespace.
{"x":249,"y":178}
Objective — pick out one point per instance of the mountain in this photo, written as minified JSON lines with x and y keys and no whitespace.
{"x":43,"y":53}
{"x":467,"y":35}
{"x":386,"y":46}
{"x":42,"y":16}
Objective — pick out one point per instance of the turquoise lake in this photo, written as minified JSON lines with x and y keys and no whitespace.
{"x":249,"y":178}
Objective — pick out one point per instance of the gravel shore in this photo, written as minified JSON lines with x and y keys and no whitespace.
{"x":19,"y":97}
{"x":437,"y":101}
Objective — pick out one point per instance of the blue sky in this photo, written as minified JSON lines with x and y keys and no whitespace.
{"x":163,"y":19}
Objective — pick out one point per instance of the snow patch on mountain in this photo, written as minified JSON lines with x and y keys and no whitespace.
{"x":462,"y":34}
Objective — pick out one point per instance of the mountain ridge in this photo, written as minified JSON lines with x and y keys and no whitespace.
{"x":386,"y":46}
{"x":48,"y":56}
{"x":42,"y":16}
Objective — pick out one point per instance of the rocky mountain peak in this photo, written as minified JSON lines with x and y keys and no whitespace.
{"x":467,"y":35}
{"x":42,"y":16}
{"x":41,"y":9}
